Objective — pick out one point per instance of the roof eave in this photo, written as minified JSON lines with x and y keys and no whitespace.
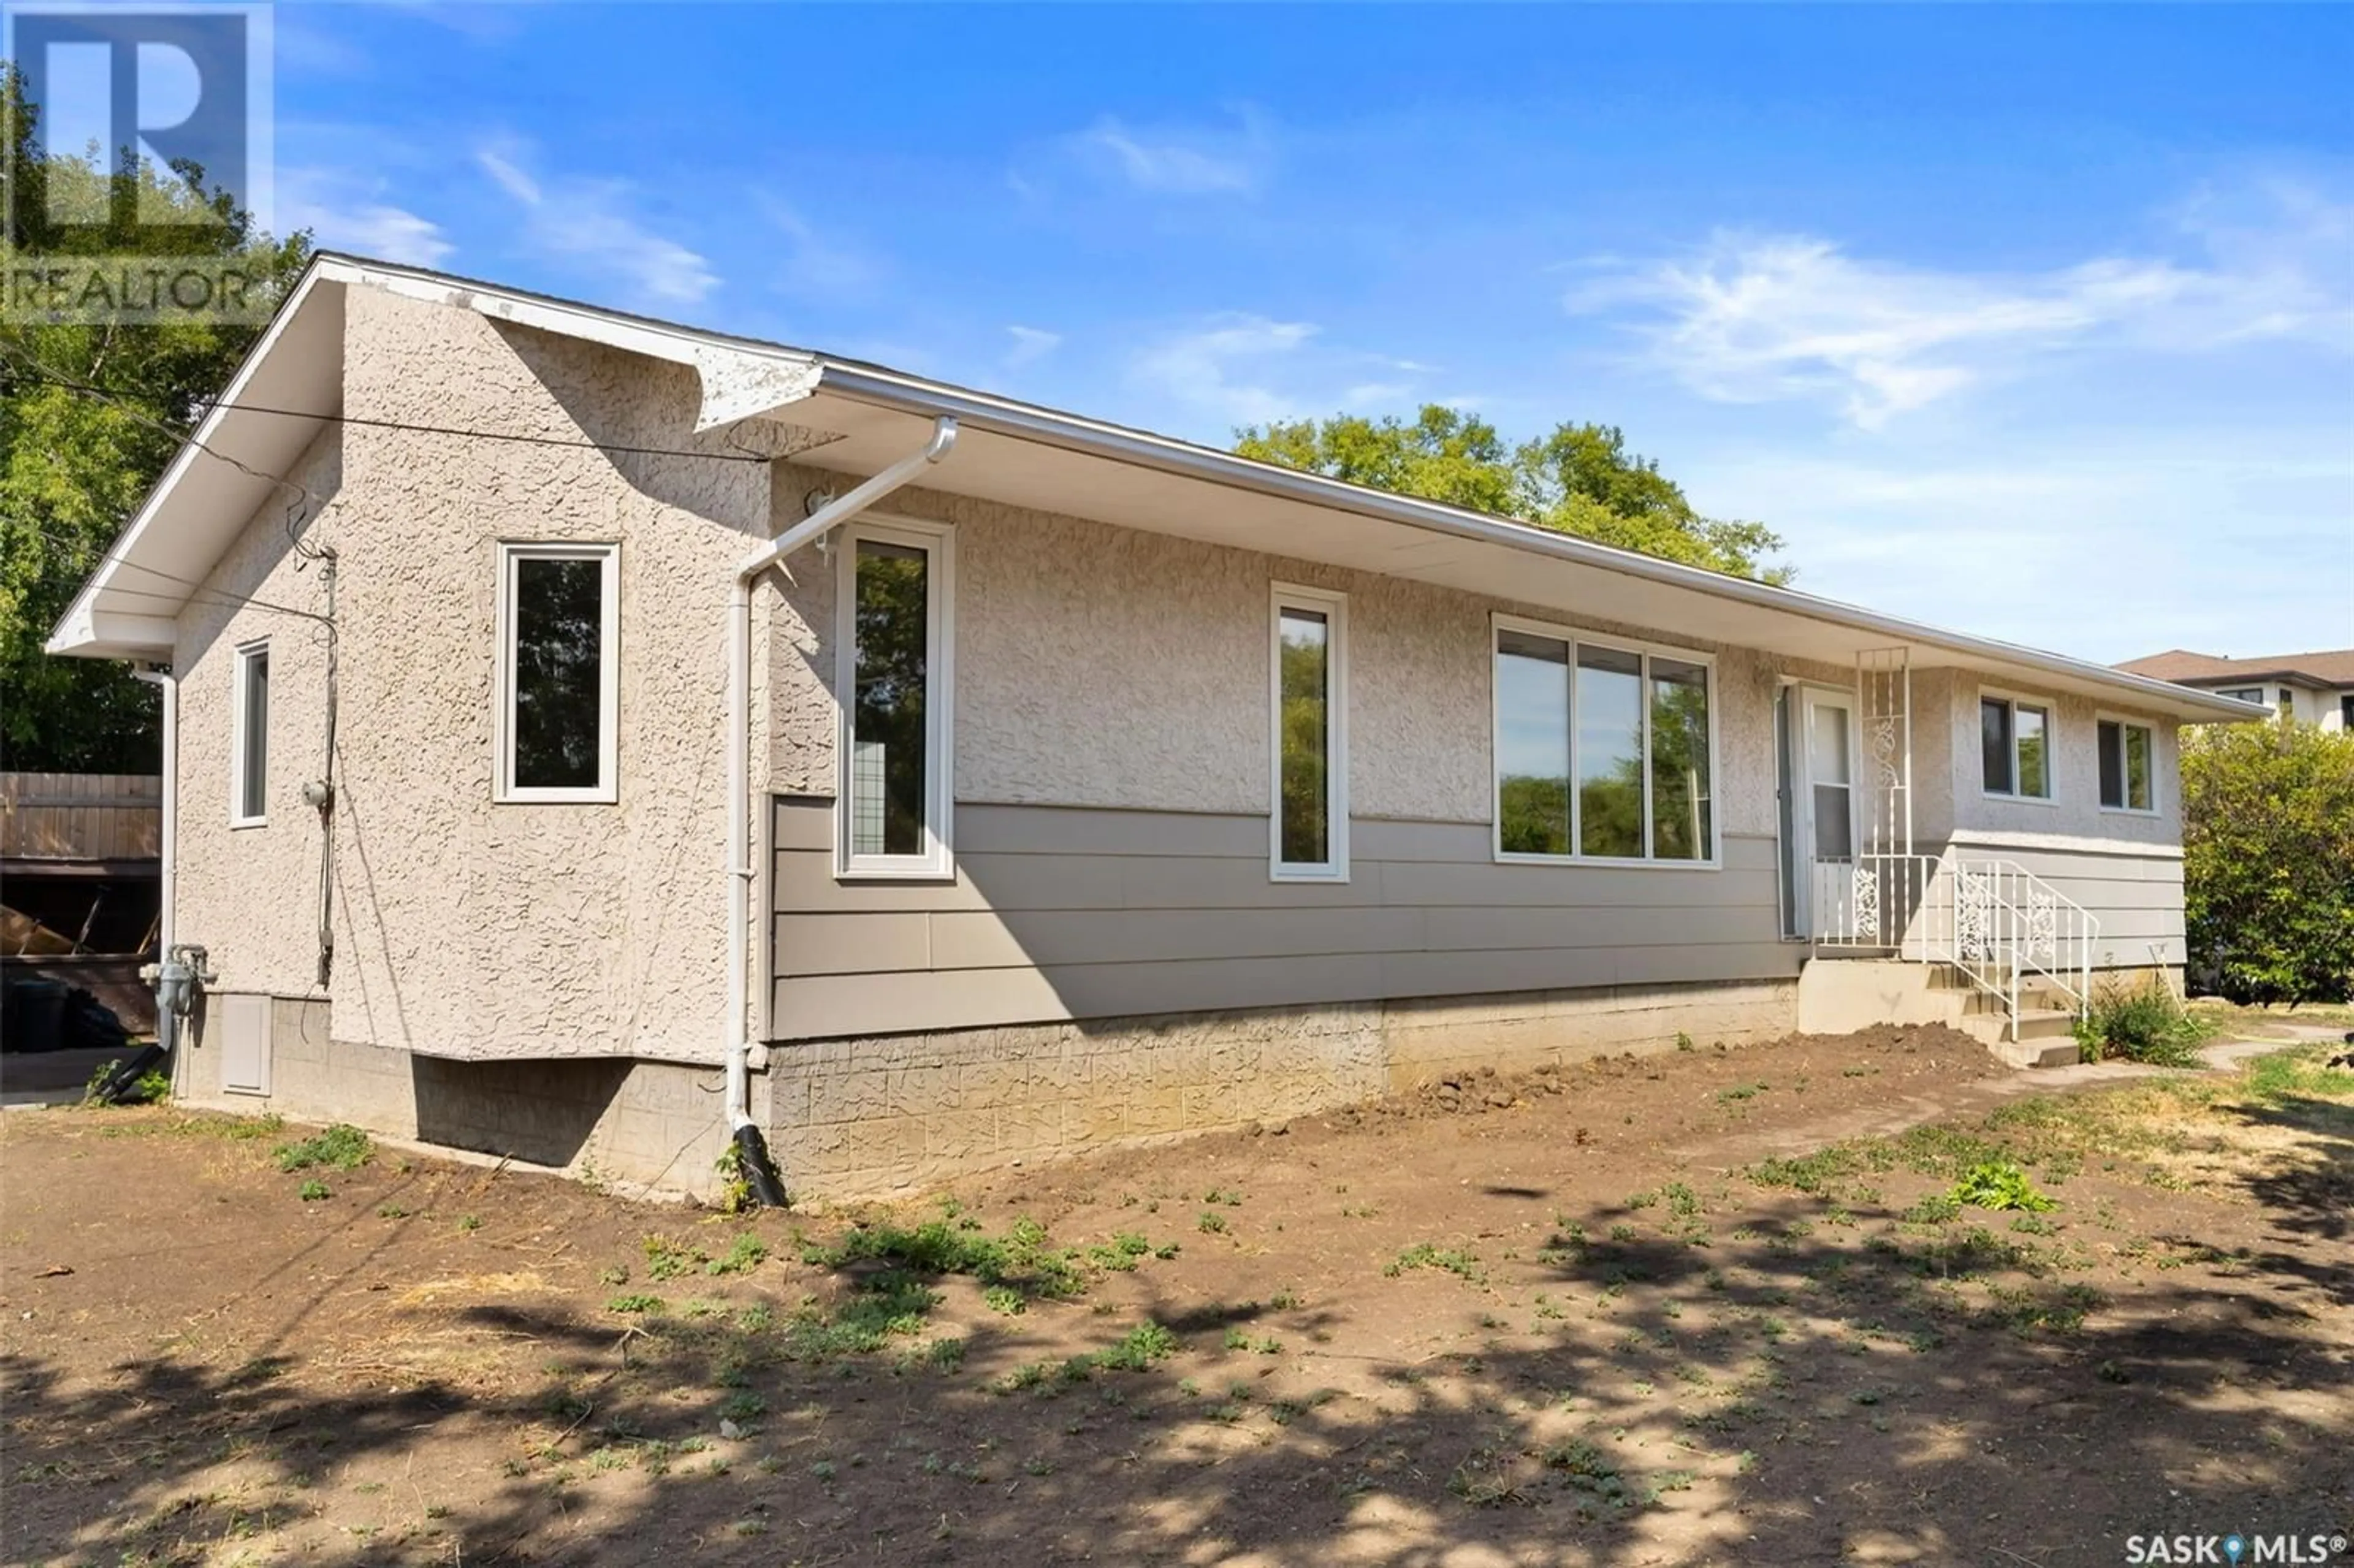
{"x":914,"y":395}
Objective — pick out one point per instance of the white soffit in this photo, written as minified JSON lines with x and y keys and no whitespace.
{"x":1527,"y":567}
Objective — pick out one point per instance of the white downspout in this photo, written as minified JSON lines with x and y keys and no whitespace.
{"x":170,"y":686}
{"x":833,"y":514}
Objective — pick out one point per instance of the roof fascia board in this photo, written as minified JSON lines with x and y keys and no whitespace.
{"x":907,"y":394}
{"x":739,"y":379}
{"x":75,"y":630}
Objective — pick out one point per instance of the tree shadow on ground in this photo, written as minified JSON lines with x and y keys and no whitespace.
{"x":1840,"y":1380}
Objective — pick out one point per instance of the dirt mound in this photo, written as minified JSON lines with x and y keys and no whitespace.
{"x":1480,"y":1091}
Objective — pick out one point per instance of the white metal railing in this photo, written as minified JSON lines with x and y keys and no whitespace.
{"x":2000,"y":927}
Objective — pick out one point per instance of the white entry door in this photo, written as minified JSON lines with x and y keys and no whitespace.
{"x":1818,"y":759}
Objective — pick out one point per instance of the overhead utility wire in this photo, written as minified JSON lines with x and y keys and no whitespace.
{"x":54,"y":379}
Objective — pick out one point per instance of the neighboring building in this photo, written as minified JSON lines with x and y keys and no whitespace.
{"x":2312,"y":688}
{"x":1172,"y":790}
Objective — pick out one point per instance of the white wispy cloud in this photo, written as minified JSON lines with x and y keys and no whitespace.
{"x":815,"y":262}
{"x":590,"y":223}
{"x":1756,"y":318}
{"x":345,"y":214}
{"x":1220,"y":367}
{"x":2138,"y":539}
{"x":1029,"y":345}
{"x":1239,"y":368}
{"x":1233,"y":160}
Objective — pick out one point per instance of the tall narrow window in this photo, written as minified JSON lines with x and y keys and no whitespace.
{"x":250,"y":764}
{"x":1532,"y":744}
{"x":1681,"y":805}
{"x":2015,"y":748}
{"x":894,"y":596}
{"x":2125,"y":759}
{"x":559,"y":615}
{"x":1310,"y":737}
{"x":1610,"y":753}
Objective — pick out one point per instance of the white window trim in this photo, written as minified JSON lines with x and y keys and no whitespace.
{"x":239,"y":716}
{"x":2102,"y":716}
{"x":2051,"y":712}
{"x":1334,"y":608}
{"x":607,"y":790}
{"x":1500,"y":622}
{"x":938,"y":863}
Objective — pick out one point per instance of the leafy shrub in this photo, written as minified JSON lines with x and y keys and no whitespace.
{"x":311,"y":1192}
{"x":341,"y":1148}
{"x":1140,"y":1347}
{"x":1999,"y":1184}
{"x":1020,"y":1259}
{"x":742,"y":1257}
{"x":2268,"y":860}
{"x":2140,"y":1023}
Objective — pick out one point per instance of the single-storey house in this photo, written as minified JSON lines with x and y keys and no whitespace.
{"x":592,"y":738}
{"x":2311,"y":688}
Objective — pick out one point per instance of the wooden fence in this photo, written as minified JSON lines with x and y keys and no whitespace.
{"x":80,"y":816}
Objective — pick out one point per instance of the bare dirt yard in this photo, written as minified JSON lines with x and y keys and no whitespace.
{"x":1703,"y":1308}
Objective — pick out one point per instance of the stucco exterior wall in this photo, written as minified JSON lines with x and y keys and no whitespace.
{"x":250,"y":895}
{"x":466,"y":928}
{"x":2074,"y":809}
{"x":1108,"y":667}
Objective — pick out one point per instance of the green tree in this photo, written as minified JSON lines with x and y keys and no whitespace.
{"x":1580,"y":479}
{"x":75,"y":464}
{"x":2268,"y":860}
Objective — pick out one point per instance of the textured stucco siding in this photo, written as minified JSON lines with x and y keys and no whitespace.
{"x":463,"y":927}
{"x":250,"y":895}
{"x":1109,"y":667}
{"x":2075,"y":809}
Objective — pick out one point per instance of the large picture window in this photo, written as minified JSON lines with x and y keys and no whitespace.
{"x":2015,"y":747}
{"x":249,"y":784}
{"x":1309,"y":739}
{"x":559,"y":613}
{"x":894,"y":641}
{"x":1604,"y":751}
{"x":2128,"y":758}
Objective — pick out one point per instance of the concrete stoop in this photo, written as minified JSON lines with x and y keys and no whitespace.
{"x":1837,"y":996}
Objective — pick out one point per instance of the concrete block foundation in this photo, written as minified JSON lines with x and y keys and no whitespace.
{"x":849,"y":1119}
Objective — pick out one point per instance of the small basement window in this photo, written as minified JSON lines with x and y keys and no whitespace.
{"x":560,"y":616}
{"x":2015,"y":746}
{"x":248,"y":785}
{"x":894,"y":643}
{"x":2127,"y":753}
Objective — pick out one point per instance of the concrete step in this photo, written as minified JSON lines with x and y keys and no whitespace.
{"x":2033,"y":1053}
{"x":2046,"y":1037}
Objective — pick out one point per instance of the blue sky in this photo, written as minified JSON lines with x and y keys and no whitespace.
{"x":2038,"y":322}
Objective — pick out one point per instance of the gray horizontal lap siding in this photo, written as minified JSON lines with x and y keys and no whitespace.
{"x":1063,"y":913}
{"x":2134,"y":893}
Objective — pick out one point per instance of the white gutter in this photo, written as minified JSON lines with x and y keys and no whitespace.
{"x":832,"y":516}
{"x":166,"y":922}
